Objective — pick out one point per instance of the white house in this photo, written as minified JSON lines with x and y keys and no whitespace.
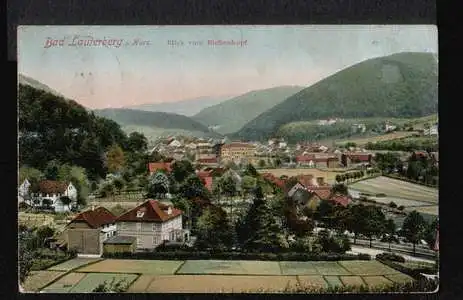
{"x":151,"y":223}
{"x":23,"y":190}
{"x":50,"y":193}
{"x":175,"y":143}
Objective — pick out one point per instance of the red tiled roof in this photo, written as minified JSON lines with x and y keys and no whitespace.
{"x":207,"y":160}
{"x":238,"y":145}
{"x":360,"y":156}
{"x":154,"y":211}
{"x":323,"y":193}
{"x":95,"y":218}
{"x":341,"y":200}
{"x":52,"y":187}
{"x":305,"y":158}
{"x":153,"y":167}
{"x":305,"y":180}
{"x":275,"y":180}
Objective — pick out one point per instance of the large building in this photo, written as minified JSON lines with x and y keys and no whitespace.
{"x":237,"y":152}
{"x":152,"y":223}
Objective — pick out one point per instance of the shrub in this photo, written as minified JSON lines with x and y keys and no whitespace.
{"x":381,"y":195}
{"x":390,"y":256}
{"x":401,"y":207}
{"x":392,"y":204}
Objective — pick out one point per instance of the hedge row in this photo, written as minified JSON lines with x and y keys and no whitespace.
{"x":415,"y":273}
{"x":187,"y":255}
{"x":390,"y":257}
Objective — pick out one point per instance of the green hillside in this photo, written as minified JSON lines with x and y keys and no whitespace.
{"x":154,"y":124}
{"x":25,"y":80}
{"x":402,"y":85}
{"x":229,"y":116}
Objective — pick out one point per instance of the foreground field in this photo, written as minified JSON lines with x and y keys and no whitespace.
{"x":328,"y":175}
{"x":397,"y":189}
{"x":214,"y":276}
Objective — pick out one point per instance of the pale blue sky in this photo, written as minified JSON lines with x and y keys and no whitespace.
{"x":99,"y":76}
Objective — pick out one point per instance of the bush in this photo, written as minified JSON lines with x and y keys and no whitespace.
{"x":401,"y":207}
{"x":391,"y":257}
{"x":381,"y":195}
{"x":205,"y":255}
{"x":392,"y":204}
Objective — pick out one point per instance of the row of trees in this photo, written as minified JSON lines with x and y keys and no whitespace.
{"x":406,"y":144}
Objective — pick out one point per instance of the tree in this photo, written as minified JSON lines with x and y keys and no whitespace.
{"x":52,"y":170}
{"x":118,"y":184}
{"x":430,"y":233}
{"x":77,"y":175}
{"x":43,"y":233}
{"x":374,"y":222}
{"x":248,"y":183}
{"x":181,"y":170}
{"x":158,"y":185}
{"x":66,"y":201}
{"x":390,"y":230}
{"x":340,"y":189}
{"x":356,"y":219}
{"x":261,"y":163}
{"x":413,"y":228}
{"x":25,"y":257}
{"x":31,"y":174}
{"x":137,"y":142}
{"x":338,"y":178}
{"x":115,"y":159}
{"x":258,"y":231}
{"x":214,"y":229}
{"x":193,"y":188}
{"x":251,"y":171}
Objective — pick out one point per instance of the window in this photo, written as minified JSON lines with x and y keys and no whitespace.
{"x":154,"y":227}
{"x":138,"y":226}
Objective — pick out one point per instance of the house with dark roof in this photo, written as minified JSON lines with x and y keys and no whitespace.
{"x":50,"y":193}
{"x":152,"y":223}
{"x":87,"y":231}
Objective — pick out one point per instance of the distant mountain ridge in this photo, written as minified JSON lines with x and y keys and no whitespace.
{"x":229,"y":116}
{"x":154,"y":124}
{"x":187,"y":107}
{"x":401,"y":85}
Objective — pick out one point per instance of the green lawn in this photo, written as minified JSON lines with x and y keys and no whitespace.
{"x":367,"y":268}
{"x":330,"y":268}
{"x":92,"y":280}
{"x":230,"y":267}
{"x":74,"y":264}
{"x":298,"y":268}
{"x":134,"y":266}
{"x":64,"y":284}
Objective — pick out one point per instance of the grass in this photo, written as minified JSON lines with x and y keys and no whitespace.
{"x":399,"y":278}
{"x":397,"y":189}
{"x":230,"y":267}
{"x":38,"y":279}
{"x":92,"y":280}
{"x":153,"y":267}
{"x":367,"y":268}
{"x":352,"y":280}
{"x":378,"y":138}
{"x":64,"y":284}
{"x":74,"y":264}
{"x":333,"y":281}
{"x":298,"y":268}
{"x":312,"y":280}
{"x":377,"y":281}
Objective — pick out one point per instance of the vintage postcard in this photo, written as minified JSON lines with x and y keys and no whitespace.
{"x":219,"y":159}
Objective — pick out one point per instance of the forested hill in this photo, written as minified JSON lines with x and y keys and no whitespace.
{"x":52,"y":128}
{"x":402,"y":85}
{"x":229,"y":116}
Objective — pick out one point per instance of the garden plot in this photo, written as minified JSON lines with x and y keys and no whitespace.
{"x":399,"y":278}
{"x":397,"y":189}
{"x":333,"y":281}
{"x":367,"y":268}
{"x":64,"y":284}
{"x":330,"y":268}
{"x":219,"y":284}
{"x":377,"y":281}
{"x":352,"y":280}
{"x":298,"y":268}
{"x":230,"y":267}
{"x":316,"y":281}
{"x":154,"y":267}
{"x":92,"y":280}
{"x":38,"y":279}
{"x":74,"y":264}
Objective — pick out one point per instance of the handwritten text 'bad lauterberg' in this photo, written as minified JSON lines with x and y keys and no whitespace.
{"x":89,"y":41}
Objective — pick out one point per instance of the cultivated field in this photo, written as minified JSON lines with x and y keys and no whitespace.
{"x":378,"y":138}
{"x":38,"y":279}
{"x":197,"y":276}
{"x":328,"y":175}
{"x":397,"y":189}
{"x":74,"y":264}
{"x":153,"y":267}
{"x":35,"y":220}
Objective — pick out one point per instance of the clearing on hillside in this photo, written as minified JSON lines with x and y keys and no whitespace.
{"x":134,"y":266}
{"x":397,"y":189}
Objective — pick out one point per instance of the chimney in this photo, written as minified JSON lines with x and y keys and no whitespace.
{"x":320,"y":181}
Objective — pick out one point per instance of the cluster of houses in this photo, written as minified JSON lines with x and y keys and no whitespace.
{"x":142,"y":228}
{"x":218,"y":153}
